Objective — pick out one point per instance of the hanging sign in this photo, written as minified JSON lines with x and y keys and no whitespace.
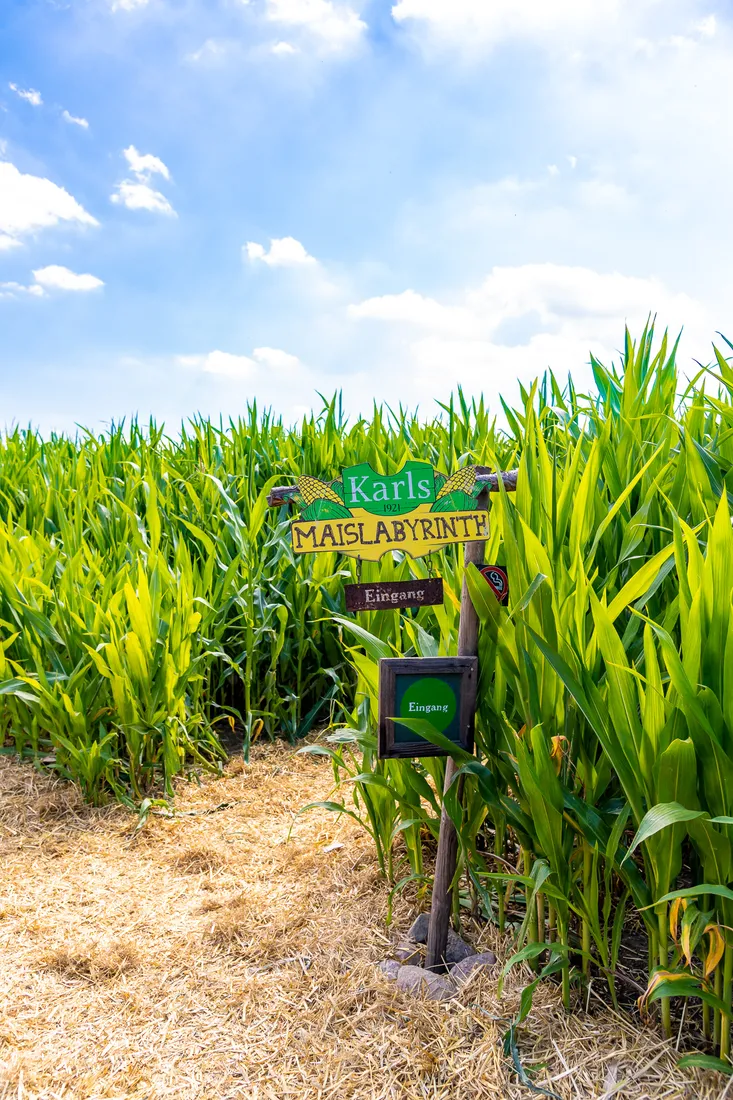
{"x":441,"y":690}
{"x":497,"y":580}
{"x":383,"y":595}
{"x":365,"y":514}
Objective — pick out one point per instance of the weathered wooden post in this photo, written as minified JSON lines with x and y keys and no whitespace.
{"x":445,"y":864}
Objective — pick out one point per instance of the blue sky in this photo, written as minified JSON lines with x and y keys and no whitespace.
{"x":204,"y":202}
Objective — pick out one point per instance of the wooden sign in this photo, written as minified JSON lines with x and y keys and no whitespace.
{"x":383,"y":595}
{"x":366,"y":514}
{"x":498,"y":581}
{"x":441,"y":690}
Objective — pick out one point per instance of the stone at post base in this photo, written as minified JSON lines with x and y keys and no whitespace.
{"x":468,"y":967}
{"x":456,"y":949}
{"x":419,"y":930}
{"x":409,"y":954}
{"x":461,"y":964}
{"x":424,"y":983}
{"x":390,"y":968}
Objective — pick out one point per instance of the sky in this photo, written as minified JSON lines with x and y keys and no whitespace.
{"x":208,"y":202}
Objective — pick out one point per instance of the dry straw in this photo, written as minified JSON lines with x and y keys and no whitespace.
{"x":211,"y":958}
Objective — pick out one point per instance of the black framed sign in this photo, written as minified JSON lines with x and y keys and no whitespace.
{"x":441,"y":690}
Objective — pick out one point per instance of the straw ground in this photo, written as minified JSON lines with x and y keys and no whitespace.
{"x":212,"y":956}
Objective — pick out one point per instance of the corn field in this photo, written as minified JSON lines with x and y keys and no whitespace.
{"x":600,"y":797}
{"x":151,"y":609}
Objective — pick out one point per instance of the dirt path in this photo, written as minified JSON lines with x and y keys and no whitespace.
{"x":213,"y":958}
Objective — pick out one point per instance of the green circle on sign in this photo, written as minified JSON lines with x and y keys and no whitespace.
{"x":432,"y":699}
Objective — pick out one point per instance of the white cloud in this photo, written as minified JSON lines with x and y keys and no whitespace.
{"x":138,"y":194}
{"x":283,"y":49}
{"x":212,"y":50}
{"x":276,"y":359}
{"x":499,"y":19}
{"x":141,"y":196}
{"x":335,"y":25}
{"x":17,"y":290}
{"x":516,"y":323}
{"x":55,"y":277}
{"x":29,"y":203}
{"x":232,"y":366}
{"x":30,"y":95}
{"x":243,"y":368}
{"x":128,"y":5}
{"x":473,"y":23}
{"x":6,"y":242}
{"x":707,"y":26}
{"x":411,"y":308}
{"x":283,"y":252}
{"x":74,"y":120}
{"x":145,"y":165}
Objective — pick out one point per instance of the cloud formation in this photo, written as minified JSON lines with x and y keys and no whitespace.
{"x":141,"y":196}
{"x":128,"y":5}
{"x":30,"y":95}
{"x":144,"y":165}
{"x":471,"y":22}
{"x":29,"y":203}
{"x":243,"y":368}
{"x":74,"y":121}
{"x":334,"y":25}
{"x":518,"y":322}
{"x":55,"y":277}
{"x":17,"y":290}
{"x":283,"y":252}
{"x":138,"y":193}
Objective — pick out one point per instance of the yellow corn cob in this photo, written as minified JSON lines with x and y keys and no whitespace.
{"x":461,"y":481}
{"x":310,"y":488}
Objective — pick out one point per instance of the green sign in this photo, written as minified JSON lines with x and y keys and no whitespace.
{"x":389,"y":495}
{"x":431,"y":697}
{"x":438,"y":690}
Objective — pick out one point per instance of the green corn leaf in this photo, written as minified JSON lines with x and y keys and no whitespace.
{"x":697,"y":891}
{"x":427,"y":730}
{"x":661,"y":817}
{"x":374,"y":646}
{"x":687,"y":987}
{"x":706,"y":1061}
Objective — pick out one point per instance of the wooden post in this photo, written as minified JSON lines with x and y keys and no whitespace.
{"x":445,"y":863}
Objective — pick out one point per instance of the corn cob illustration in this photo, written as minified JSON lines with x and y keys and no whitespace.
{"x":462,"y":481}
{"x":458,"y":492}
{"x":320,"y":500}
{"x":310,"y":488}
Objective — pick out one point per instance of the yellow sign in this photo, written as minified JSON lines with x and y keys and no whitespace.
{"x":368,"y":536}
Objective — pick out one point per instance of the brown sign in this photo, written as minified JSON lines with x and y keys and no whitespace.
{"x":497,"y":580}
{"x":383,"y":595}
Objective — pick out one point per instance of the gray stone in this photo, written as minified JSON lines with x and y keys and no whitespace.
{"x":456,"y":949}
{"x":419,"y":930}
{"x":409,"y":953}
{"x":466,"y":968}
{"x":423,"y":983}
{"x":390,"y":968}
